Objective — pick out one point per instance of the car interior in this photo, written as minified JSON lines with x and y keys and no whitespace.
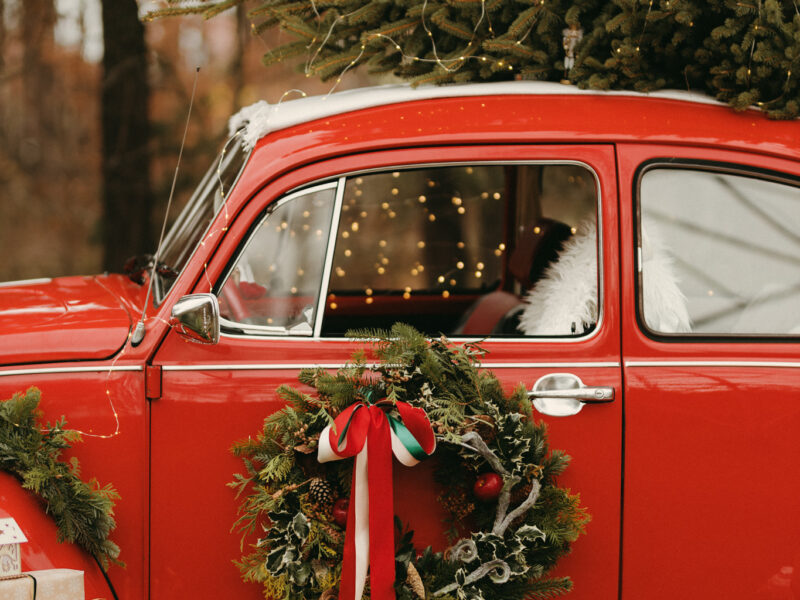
{"x":455,"y":249}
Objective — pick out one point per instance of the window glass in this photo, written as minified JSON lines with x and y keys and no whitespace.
{"x":720,"y":253}
{"x":468,"y":250}
{"x":193,"y":221}
{"x":274,"y":285}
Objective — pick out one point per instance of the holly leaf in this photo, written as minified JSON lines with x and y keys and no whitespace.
{"x":530,"y":533}
{"x":300,"y":527}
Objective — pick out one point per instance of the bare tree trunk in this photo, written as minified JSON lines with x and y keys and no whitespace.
{"x":237,"y":67}
{"x":2,"y":33}
{"x":37,"y":20}
{"x":127,"y":196}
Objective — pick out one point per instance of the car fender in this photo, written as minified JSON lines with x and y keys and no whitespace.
{"x":43,"y":550}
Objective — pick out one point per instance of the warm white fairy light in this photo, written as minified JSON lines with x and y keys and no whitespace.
{"x":288,"y":93}
{"x":443,"y":63}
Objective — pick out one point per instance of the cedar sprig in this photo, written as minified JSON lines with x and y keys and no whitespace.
{"x":30,"y":451}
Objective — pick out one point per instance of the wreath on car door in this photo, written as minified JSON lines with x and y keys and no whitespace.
{"x":319,"y":521}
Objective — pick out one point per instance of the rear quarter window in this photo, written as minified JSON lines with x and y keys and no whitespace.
{"x":719,"y":252}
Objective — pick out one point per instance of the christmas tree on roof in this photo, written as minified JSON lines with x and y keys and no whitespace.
{"x":743,"y":52}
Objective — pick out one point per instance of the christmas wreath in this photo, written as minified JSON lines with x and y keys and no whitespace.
{"x":492,"y":463}
{"x":31,"y":452}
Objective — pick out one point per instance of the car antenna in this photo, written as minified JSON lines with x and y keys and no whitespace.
{"x":139,"y":331}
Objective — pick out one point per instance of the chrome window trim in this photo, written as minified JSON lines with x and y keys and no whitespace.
{"x":207,"y":180}
{"x":57,"y":370}
{"x":340,"y":179}
{"x":266,"y":331}
{"x":333,"y":234}
{"x":340,"y":365}
{"x":21,"y":282}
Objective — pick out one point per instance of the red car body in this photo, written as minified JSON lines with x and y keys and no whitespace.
{"x":690,"y":474}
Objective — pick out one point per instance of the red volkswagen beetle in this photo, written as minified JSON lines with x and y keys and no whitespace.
{"x":641,"y":251}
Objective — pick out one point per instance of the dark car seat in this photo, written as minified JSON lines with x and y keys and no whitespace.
{"x":498,"y":311}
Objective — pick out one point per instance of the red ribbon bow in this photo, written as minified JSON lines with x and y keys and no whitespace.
{"x":371,"y":435}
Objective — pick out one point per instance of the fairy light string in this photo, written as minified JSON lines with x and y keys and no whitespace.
{"x":211,"y":233}
{"x":449,"y":65}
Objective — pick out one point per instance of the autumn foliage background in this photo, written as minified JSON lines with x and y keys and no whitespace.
{"x":50,"y":138}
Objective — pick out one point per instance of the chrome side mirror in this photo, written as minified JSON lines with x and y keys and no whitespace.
{"x":196,"y":318}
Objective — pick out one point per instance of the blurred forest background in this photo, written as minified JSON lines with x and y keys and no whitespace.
{"x":62,"y":87}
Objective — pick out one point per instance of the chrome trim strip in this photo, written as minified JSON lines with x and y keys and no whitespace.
{"x":252,"y":367}
{"x":291,"y":366}
{"x":52,"y":370}
{"x":283,"y":337}
{"x":26,"y":282}
{"x":711,"y":363}
{"x":549,"y":365}
{"x":333,"y":235}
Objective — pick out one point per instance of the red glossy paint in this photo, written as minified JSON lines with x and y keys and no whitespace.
{"x":71,"y":318}
{"x":89,"y":400}
{"x":42,"y":550}
{"x":710,"y":453}
{"x":228,"y":403}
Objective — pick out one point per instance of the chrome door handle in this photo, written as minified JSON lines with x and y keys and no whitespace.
{"x":564,"y":394}
{"x":587,"y":395}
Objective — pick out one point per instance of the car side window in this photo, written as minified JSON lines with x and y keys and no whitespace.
{"x":719,"y":253}
{"x":467,"y":250}
{"x":273,"y":287}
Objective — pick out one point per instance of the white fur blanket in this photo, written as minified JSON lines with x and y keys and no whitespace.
{"x":564,"y":301}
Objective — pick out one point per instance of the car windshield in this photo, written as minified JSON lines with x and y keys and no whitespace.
{"x":192,"y":224}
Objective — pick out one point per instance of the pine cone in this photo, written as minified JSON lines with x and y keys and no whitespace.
{"x":321,"y":492}
{"x":485,"y":426}
{"x":396,"y":376}
{"x":520,"y":493}
{"x":415,"y":581}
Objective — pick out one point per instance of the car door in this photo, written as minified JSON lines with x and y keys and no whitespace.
{"x":710,"y":343}
{"x":447,"y":239}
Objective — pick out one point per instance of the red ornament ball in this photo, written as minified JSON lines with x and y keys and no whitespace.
{"x":488,"y":487}
{"x":340,"y":511}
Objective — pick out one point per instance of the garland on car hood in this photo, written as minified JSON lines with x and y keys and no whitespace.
{"x":493,"y":469}
{"x":31,"y":451}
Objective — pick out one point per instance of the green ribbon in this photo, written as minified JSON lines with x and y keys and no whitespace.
{"x":406,"y":438}
{"x":400,"y":430}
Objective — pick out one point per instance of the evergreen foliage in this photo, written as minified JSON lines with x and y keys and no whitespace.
{"x":299,"y":548}
{"x":31,"y":451}
{"x":744,"y":52}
